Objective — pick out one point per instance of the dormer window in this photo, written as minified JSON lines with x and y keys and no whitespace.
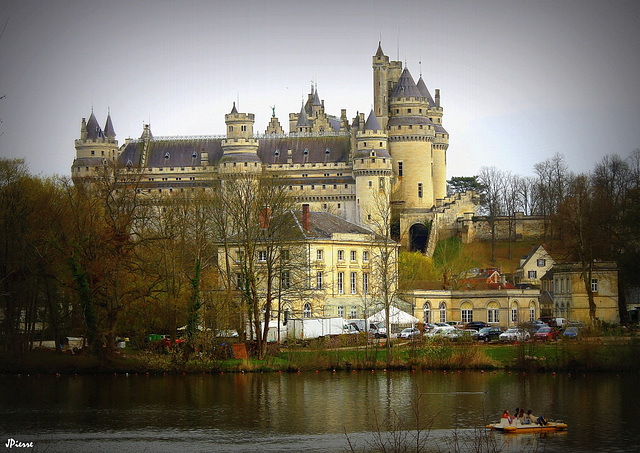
{"x":167,"y":155}
{"x":194,"y":155}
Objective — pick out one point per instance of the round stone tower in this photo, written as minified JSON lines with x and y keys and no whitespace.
{"x":94,"y":148}
{"x":240,"y":148}
{"x":411,"y":133}
{"x":372,"y":171}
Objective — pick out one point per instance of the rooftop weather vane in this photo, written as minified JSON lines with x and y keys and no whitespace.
{"x":273,"y":111}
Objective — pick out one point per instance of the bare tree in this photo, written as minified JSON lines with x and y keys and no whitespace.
{"x":492,"y":200}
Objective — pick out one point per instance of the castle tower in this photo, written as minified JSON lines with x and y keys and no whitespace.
{"x":94,"y":147}
{"x":372,"y":171}
{"x":385,"y":75}
{"x":411,"y":134}
{"x":240,"y":148}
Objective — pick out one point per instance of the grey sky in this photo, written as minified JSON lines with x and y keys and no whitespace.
{"x":520,"y":80}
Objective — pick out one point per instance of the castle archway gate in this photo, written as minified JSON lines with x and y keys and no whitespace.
{"x":418,"y":237}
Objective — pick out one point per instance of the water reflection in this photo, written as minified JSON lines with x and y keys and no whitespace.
{"x":309,"y":411}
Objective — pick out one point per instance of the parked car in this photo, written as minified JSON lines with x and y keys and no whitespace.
{"x":477,"y":325}
{"x":410,"y":333}
{"x":456,"y":324}
{"x":488,"y":334}
{"x":571,"y":332}
{"x":546,"y":333}
{"x":380,"y":332}
{"x":515,"y":334}
{"x":460,"y":334}
{"x":439,"y":330}
{"x":428,"y":326}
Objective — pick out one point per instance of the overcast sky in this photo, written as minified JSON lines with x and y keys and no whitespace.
{"x":519,"y":80}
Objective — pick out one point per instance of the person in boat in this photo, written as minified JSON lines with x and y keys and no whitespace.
{"x":536,"y":420}
{"x":506,"y":418}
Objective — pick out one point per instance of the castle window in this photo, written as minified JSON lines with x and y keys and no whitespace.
{"x":408,"y":110}
{"x":410,"y":126}
{"x":340,"y":282}
{"x":370,"y":183}
{"x":103,"y":153}
{"x":324,"y":187}
{"x":346,"y":186}
{"x":365,"y":283}
{"x":340,"y":255}
{"x":243,"y":128}
{"x":93,"y":153}
{"x":380,"y":144}
{"x":230,"y":128}
{"x":400,"y":169}
{"x":338,"y":205}
{"x":335,"y":186}
{"x":397,"y":110}
{"x":319,"y":280}
{"x":354,"y":289}
{"x":594,"y":285}
{"x":419,"y":110}
{"x":419,"y":190}
{"x":167,"y":155}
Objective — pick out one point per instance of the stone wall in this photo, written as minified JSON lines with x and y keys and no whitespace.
{"x":479,"y":229}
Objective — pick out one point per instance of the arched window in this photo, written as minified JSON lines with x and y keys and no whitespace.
{"x":493,"y":311}
{"x":306,"y":312}
{"x":443,"y":312}
{"x":426,"y":309}
{"x":466,"y":310}
{"x":514,"y":311}
{"x":532,"y":311}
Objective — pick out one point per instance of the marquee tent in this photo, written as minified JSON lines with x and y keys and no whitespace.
{"x":396,"y":316}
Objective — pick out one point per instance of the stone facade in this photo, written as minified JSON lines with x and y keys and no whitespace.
{"x":500,"y":307}
{"x":395,"y":157}
{"x":566,"y":293}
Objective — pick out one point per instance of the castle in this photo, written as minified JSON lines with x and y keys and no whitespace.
{"x":396,"y":155}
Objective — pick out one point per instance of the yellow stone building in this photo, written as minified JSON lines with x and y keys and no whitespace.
{"x":500,"y":307}
{"x":330,"y":163}
{"x":565,"y":293}
{"x":332,"y":269}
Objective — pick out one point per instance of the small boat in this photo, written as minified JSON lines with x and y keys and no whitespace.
{"x":518,"y":428}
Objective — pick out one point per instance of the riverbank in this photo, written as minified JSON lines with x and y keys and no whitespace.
{"x":585,"y":355}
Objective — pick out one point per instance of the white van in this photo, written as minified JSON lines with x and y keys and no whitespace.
{"x":561,"y":322}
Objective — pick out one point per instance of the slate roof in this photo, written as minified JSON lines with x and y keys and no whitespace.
{"x":424,"y":91}
{"x":303,"y":121}
{"x":93,"y":128}
{"x":109,"y":131}
{"x":187,"y":152}
{"x":181,"y":153}
{"x":379,"y":52}
{"x":372,"y":123}
{"x":323,"y":224}
{"x":410,"y":120}
{"x":406,"y":87}
{"x":440,"y":129}
{"x":338,"y":146}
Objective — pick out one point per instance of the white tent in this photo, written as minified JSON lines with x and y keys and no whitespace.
{"x":396,"y":316}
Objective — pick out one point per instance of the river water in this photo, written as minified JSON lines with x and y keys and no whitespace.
{"x":314,"y":412}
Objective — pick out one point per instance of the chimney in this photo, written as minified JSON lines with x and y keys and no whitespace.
{"x":305,"y":217}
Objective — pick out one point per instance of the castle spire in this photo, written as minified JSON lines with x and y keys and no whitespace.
{"x":109,"y":131}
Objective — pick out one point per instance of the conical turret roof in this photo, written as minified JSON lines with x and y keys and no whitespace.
{"x":303,"y":121}
{"x":406,"y":87}
{"x":109,"y":131}
{"x":372,"y":123}
{"x":316,"y":98}
{"x":234,"y":109}
{"x":93,"y":128}
{"x":424,"y":91}
{"x":379,"y":53}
